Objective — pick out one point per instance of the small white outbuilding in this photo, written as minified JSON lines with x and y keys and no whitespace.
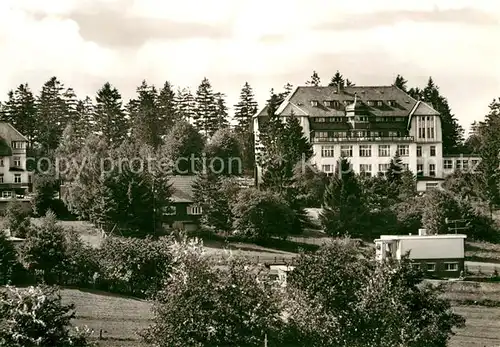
{"x":437,"y":255}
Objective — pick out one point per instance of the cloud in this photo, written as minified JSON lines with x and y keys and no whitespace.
{"x":267,"y":43}
{"x":364,"y":21}
{"x":116,"y":28}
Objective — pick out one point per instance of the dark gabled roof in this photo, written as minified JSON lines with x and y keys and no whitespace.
{"x":300,"y":102}
{"x":5,"y":150}
{"x":9,"y":133}
{"x":182,"y":188}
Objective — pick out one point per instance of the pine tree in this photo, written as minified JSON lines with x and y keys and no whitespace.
{"x":186,"y":105}
{"x":289,"y":149}
{"x":288,"y":89}
{"x":393,"y":174}
{"x":348,"y":83}
{"x":84,"y":124}
{"x":143,"y":111}
{"x":20,"y":111}
{"x":343,"y":211}
{"x":110,"y":116}
{"x":416,"y":93}
{"x":245,"y":109}
{"x":52,"y":115}
{"x":314,"y":81}
{"x":408,"y":186}
{"x":167,"y":108}
{"x":400,"y":82}
{"x":337,"y":80}
{"x":270,"y":128}
{"x":452,"y":132}
{"x":221,"y":115}
{"x":488,"y":150}
{"x":205,"y":120}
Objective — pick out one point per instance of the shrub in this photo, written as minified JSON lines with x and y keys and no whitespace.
{"x":82,"y":262}
{"x":133,"y":266}
{"x":262,"y":214}
{"x":338,"y":296}
{"x":36,"y":317}
{"x":45,"y":250}
{"x":17,"y":217}
{"x":203,"y":305}
{"x":8,"y":259}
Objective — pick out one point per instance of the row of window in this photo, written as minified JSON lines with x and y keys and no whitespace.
{"x":336,"y":103}
{"x":431,"y":267}
{"x":17,"y":162}
{"x":364,"y":118}
{"x":365,"y":169}
{"x":357,"y":134}
{"x":459,"y":164}
{"x":17,"y":178}
{"x":17,"y":144}
{"x":366,"y":151}
{"x":425,"y":129}
{"x":191,"y":210}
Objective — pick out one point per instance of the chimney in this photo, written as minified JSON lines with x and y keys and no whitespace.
{"x":422,"y":232}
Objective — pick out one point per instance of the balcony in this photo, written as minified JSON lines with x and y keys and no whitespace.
{"x":362,"y":139}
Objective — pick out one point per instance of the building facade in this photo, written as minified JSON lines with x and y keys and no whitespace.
{"x":15,"y":180}
{"x":183,"y":213}
{"x":368,"y":126}
{"x":436,"y":255}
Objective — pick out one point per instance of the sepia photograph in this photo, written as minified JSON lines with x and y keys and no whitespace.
{"x":236,"y":173}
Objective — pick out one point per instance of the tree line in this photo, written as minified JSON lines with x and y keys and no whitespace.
{"x":147,"y":118}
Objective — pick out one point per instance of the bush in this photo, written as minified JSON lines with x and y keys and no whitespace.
{"x":82,"y":262}
{"x":36,"y":317}
{"x":133,"y":266}
{"x":45,"y":188}
{"x":45,"y":250}
{"x":338,"y":296}
{"x":262,"y":214}
{"x":8,"y":259}
{"x":203,"y":305}
{"x":17,"y":217}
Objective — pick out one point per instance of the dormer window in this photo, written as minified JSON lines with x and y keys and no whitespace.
{"x":328,"y":103}
{"x":379,"y":103}
{"x":17,"y":144}
{"x":314,"y":103}
{"x":369,"y":103}
{"x":391,"y":103}
{"x":335,"y":103}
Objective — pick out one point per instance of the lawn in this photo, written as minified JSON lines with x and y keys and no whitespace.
{"x":482,"y":252}
{"x":120,"y":318}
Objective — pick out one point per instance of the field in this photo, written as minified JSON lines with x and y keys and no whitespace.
{"x":121,"y":318}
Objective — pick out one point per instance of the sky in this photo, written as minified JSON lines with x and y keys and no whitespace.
{"x":267,"y":43}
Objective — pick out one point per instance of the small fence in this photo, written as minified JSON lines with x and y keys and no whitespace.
{"x":262,"y":259}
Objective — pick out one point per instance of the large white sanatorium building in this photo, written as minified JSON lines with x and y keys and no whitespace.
{"x":368,"y":125}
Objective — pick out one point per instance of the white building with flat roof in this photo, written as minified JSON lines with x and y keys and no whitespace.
{"x":438,"y":255}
